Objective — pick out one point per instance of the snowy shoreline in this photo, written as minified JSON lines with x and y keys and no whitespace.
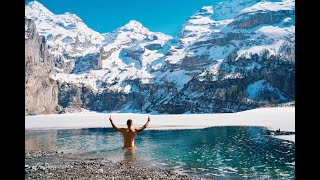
{"x":272,"y":118}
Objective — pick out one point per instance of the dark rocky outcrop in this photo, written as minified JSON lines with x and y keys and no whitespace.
{"x":221,"y":39}
{"x":72,"y":97}
{"x":253,"y":19}
{"x":87,"y":63}
{"x":153,"y":46}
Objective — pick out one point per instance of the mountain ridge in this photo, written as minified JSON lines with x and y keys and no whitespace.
{"x":222,"y":61}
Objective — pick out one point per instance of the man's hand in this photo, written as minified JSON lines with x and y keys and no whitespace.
{"x":113,"y":126}
{"x":144,"y":126}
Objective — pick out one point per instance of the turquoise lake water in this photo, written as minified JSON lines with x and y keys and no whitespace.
{"x":217,"y":152}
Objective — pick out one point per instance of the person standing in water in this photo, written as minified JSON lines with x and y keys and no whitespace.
{"x":129,"y":133}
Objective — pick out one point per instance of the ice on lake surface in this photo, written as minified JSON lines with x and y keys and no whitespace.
{"x":217,"y":152}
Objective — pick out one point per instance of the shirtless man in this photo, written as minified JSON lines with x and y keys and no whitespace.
{"x":129,"y":133}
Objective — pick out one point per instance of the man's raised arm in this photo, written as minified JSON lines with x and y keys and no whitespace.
{"x":144,"y":126}
{"x":114,"y":127}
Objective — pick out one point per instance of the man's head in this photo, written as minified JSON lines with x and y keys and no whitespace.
{"x":129,"y":122}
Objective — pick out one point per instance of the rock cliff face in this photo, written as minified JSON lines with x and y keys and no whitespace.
{"x":232,"y":56}
{"x":41,"y":91}
{"x":270,"y":82}
{"x":240,"y":60}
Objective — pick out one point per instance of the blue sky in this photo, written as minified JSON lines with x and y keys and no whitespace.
{"x":165,"y":16}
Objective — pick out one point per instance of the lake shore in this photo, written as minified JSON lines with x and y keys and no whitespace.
{"x":273,"y":118}
{"x":59,"y":165}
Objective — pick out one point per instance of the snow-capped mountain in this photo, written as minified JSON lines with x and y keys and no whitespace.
{"x":131,"y":48}
{"x":231,"y":56}
{"x":131,"y":52}
{"x":245,"y":57}
{"x":67,"y":35}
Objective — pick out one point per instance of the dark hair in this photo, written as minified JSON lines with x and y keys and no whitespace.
{"x":129,"y":122}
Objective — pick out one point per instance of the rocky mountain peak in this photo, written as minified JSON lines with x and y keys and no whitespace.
{"x":133,"y":24}
{"x":197,"y":25}
{"x":73,"y":16}
{"x":133,"y":27}
{"x":36,"y":9}
{"x":205,"y":11}
{"x":229,"y":9}
{"x":36,"y":6}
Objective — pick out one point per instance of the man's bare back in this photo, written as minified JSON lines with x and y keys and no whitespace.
{"x":128,"y":136}
{"x":130,"y":132}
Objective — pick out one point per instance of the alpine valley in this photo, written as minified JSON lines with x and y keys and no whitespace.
{"x":232,"y":56}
